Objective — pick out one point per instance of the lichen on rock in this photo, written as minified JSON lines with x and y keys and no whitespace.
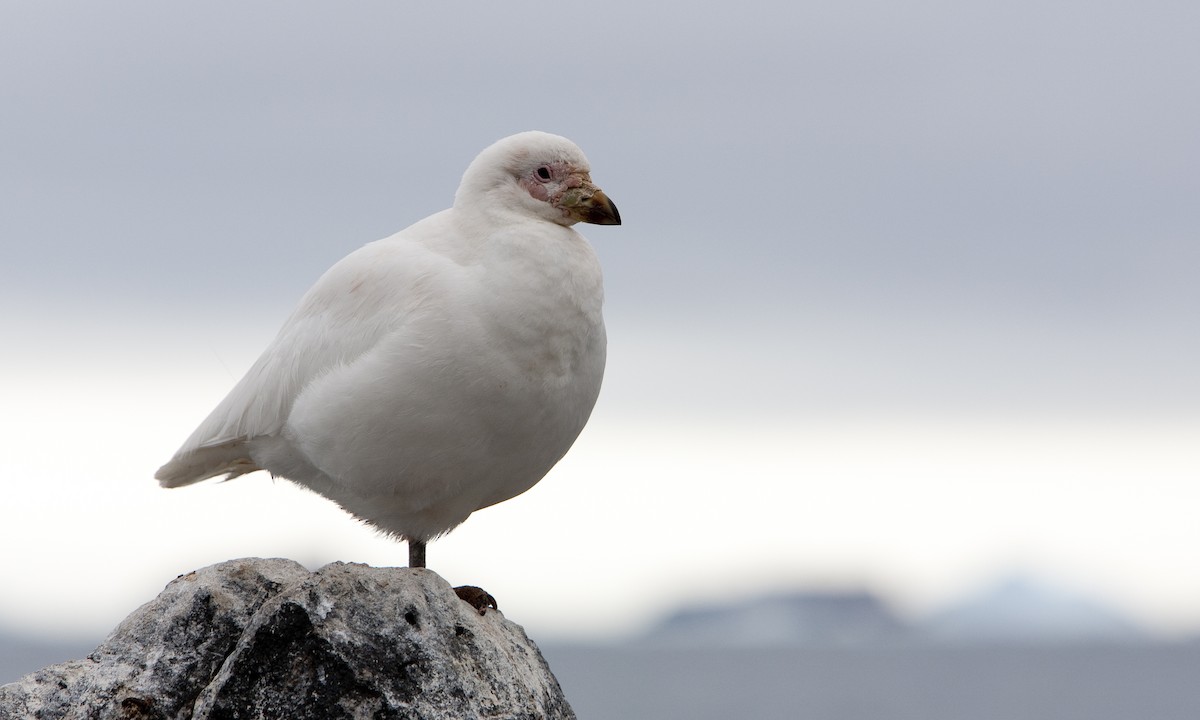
{"x":268,"y":639}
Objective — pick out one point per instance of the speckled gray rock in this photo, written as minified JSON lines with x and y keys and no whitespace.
{"x":268,"y":639}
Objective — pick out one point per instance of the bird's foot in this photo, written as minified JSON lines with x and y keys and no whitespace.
{"x":476,"y":597}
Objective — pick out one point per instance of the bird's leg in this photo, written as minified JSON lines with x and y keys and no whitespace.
{"x":416,"y":553}
{"x":476,"y":597}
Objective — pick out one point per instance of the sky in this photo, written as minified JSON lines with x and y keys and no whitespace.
{"x":905,"y":296}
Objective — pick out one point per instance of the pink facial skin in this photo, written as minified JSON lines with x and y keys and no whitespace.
{"x":563,"y":177}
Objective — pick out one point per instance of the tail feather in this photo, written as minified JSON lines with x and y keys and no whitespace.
{"x":230,"y":459}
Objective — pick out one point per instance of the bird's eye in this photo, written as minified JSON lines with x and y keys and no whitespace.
{"x":543,"y":173}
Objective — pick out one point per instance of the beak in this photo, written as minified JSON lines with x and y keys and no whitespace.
{"x":588,"y":203}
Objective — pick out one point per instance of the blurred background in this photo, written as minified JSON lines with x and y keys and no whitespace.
{"x":903,"y":328}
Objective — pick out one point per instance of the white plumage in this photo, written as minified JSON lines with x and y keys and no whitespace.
{"x":440,"y":370}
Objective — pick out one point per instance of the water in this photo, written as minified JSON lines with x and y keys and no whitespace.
{"x":918,"y":682}
{"x":896,"y":682}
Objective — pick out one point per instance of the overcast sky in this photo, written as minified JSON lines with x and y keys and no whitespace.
{"x":906,"y":293}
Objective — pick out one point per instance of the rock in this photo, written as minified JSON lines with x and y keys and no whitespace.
{"x":269,"y":639}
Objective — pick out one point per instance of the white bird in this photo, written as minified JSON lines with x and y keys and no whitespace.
{"x":438,"y":371}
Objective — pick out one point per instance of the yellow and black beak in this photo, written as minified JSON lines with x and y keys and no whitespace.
{"x":588,"y":203}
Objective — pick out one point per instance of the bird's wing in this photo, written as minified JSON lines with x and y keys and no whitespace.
{"x":355,"y":304}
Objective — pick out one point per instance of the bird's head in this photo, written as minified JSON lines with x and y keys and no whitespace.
{"x":539,"y":174}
